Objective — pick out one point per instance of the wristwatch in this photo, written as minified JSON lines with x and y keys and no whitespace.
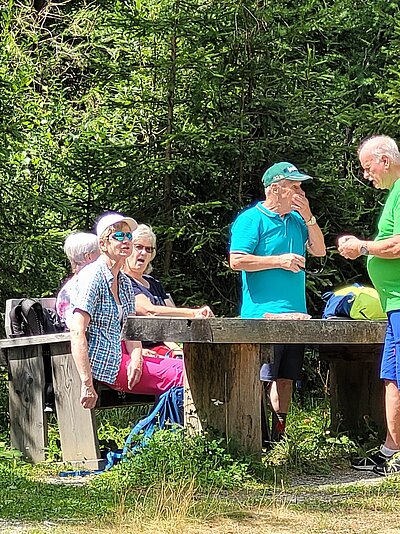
{"x":312,"y":221}
{"x":364,"y":250}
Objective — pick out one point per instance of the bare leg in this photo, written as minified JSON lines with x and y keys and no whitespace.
{"x":280,"y":395}
{"x":392,"y":407}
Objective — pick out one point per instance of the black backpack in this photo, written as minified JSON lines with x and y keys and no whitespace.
{"x":29,"y":318}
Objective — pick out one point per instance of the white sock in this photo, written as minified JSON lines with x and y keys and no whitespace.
{"x":388,"y":452}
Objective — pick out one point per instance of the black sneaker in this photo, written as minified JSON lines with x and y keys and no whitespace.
{"x":368,"y":463}
{"x":390,"y":467}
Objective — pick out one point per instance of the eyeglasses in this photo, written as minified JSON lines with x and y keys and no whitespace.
{"x":120,"y":236}
{"x":318,"y":270}
{"x":140,"y":248}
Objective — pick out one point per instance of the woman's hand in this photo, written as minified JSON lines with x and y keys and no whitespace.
{"x":149,"y":353}
{"x":134,"y":372}
{"x":203,"y":312}
{"x":88,"y":396}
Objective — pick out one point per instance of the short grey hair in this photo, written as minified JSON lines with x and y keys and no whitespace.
{"x":143,"y":231}
{"x":381,"y":145}
{"x":78,"y":245}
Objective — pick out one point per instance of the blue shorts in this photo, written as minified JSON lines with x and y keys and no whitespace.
{"x":390,"y":362}
{"x":288,"y":361}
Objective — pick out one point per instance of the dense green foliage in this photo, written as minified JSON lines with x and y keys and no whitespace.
{"x":169,"y":110}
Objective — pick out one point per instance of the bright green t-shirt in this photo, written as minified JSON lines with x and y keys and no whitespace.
{"x":385,"y":273}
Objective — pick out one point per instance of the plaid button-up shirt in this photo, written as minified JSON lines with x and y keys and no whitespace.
{"x":93,"y":295}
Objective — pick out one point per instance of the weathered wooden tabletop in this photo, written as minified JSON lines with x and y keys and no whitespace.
{"x":234,"y":330}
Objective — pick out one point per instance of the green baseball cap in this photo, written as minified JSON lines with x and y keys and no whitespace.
{"x":283,"y":171}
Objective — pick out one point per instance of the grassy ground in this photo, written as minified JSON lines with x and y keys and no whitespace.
{"x":189,"y":485}
{"x":331,"y":508}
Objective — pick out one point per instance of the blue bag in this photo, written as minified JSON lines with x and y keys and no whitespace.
{"x":167,"y":411}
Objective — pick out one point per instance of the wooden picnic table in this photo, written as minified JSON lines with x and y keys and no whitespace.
{"x":223,"y":357}
{"x":222,"y":388}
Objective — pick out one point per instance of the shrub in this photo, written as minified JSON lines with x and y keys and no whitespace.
{"x":310,"y":445}
{"x":176,"y":457}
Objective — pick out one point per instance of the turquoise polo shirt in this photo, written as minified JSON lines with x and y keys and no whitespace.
{"x":262,"y":232}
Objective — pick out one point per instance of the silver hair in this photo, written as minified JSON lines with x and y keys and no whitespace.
{"x":78,"y":245}
{"x":381,"y":145}
{"x":143,"y":231}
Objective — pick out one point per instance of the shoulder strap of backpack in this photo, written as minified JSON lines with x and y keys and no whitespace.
{"x":32,"y":314}
{"x":51,"y":322}
{"x":16,"y":321}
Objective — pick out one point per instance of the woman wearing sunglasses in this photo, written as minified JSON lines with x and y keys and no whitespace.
{"x":102,"y":300}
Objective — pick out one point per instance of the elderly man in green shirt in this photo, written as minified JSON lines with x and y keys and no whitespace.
{"x":380,"y":158}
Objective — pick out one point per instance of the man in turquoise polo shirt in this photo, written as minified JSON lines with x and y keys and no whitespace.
{"x":268,"y":245}
{"x":380,"y":159}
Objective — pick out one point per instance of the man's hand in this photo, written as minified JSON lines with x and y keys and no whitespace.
{"x":300,"y":204}
{"x":88,"y":396}
{"x":292,"y":262}
{"x":134,"y":372}
{"x":349,"y":247}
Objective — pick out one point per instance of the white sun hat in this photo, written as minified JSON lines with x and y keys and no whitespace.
{"x":110,"y":219}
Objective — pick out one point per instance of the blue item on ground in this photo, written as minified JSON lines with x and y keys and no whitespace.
{"x":80,"y":473}
{"x":167,"y":411}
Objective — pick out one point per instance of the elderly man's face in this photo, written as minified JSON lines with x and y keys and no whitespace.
{"x":376,"y":169}
{"x":288,"y":189}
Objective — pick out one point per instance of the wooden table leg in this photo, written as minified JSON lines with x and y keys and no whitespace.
{"x":223,"y":391}
{"x":26,"y":401}
{"x":77,"y":426}
{"x":356,"y":392}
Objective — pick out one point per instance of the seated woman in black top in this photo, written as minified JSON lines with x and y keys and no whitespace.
{"x":150,"y":296}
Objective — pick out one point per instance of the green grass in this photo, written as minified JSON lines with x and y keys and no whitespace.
{"x":187,"y":479}
{"x":310,"y":446}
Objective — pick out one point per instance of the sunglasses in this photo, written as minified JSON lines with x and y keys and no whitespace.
{"x":120,"y":236}
{"x":316,"y":270}
{"x":140,"y":248}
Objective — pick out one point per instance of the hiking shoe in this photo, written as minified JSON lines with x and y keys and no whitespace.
{"x":368,"y":463}
{"x":390,"y":467}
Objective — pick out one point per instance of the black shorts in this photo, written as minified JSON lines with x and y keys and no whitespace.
{"x":288,"y":361}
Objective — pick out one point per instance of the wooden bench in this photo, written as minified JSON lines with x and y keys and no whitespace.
{"x":223,"y":357}
{"x":23,"y":357}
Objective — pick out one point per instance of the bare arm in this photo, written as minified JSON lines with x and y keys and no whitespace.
{"x":143,"y":306}
{"x":79,"y":349}
{"x":239,"y":261}
{"x":316,"y":241}
{"x":349,"y":246}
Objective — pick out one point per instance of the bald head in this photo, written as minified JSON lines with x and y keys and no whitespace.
{"x":381,"y":145}
{"x":379,"y":157}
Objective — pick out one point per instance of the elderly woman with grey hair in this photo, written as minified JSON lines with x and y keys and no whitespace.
{"x":150,"y":296}
{"x":81,"y":249}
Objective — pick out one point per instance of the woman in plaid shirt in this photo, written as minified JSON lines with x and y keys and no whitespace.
{"x":102,"y":301}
